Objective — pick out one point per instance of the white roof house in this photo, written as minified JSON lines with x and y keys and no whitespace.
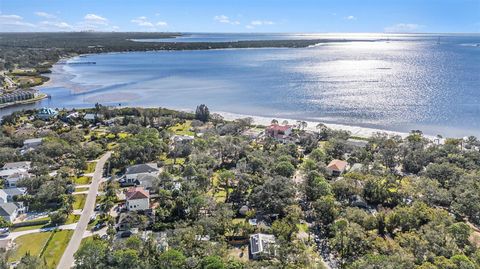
{"x":262,"y":245}
{"x":32,"y":143}
{"x":17,"y":165}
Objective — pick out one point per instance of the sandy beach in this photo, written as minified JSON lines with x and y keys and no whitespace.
{"x":358,"y":131}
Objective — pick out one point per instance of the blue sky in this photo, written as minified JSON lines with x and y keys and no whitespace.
{"x":242,"y":15}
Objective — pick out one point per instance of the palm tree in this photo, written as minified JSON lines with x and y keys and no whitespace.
{"x":274,"y":122}
{"x":303,"y":125}
{"x":285,"y":122}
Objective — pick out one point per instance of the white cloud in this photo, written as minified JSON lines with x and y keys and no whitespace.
{"x":258,"y":22}
{"x":95,"y":19}
{"x":45,"y":15}
{"x":403,"y":28}
{"x":58,"y":25}
{"x":350,"y":18}
{"x":225,"y":19}
{"x":7,"y":21}
{"x":145,"y":22}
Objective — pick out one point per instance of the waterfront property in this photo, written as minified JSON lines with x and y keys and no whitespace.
{"x":46,"y":113}
{"x":280,"y":132}
{"x":18,"y":95}
{"x":336,"y":167}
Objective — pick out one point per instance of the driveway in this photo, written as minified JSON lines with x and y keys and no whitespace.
{"x":67,"y":259}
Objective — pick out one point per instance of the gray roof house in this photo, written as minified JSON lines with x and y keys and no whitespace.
{"x":32,"y":143}
{"x":10,"y":211}
{"x":7,"y":195}
{"x":133,"y":172}
{"x":12,"y":180}
{"x":17,"y":165}
{"x":262,"y":245}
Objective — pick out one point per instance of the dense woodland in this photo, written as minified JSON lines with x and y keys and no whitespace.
{"x":420,"y":200}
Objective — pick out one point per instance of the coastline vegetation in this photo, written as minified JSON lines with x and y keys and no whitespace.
{"x":412,"y":203}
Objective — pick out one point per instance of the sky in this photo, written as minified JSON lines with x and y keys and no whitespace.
{"x":230,"y":16}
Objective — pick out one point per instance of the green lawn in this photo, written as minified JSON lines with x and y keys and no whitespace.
{"x":55,"y":248}
{"x":31,"y":243}
{"x":79,"y":201}
{"x":90,"y":167}
{"x":302,"y":227}
{"x":83,"y":180}
{"x":81,"y":189}
{"x":182,"y":129}
{"x":72,"y":219}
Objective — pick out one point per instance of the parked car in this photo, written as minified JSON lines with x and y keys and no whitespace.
{"x":4,"y":232}
{"x":126,"y":234}
{"x":99,"y":226}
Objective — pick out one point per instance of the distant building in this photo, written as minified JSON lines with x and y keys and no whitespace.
{"x":18,"y":95}
{"x":337,"y":167}
{"x":137,"y":199}
{"x":10,"y":211}
{"x":32,"y":143}
{"x":262,"y":245}
{"x":133,"y":172}
{"x":280,"y":132}
{"x":46,"y":113}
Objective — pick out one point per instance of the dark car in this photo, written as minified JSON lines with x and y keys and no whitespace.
{"x":126,"y":234}
{"x":99,"y":226}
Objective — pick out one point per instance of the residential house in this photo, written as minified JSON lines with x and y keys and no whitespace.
{"x":8,"y":195}
{"x":262,"y":245}
{"x":137,"y":198}
{"x":12,"y":180}
{"x":14,"y":168}
{"x":133,"y":172}
{"x":10,"y":211}
{"x":32,"y":143}
{"x":280,"y":132}
{"x":146,"y":181}
{"x":46,"y":113}
{"x":337,"y":167}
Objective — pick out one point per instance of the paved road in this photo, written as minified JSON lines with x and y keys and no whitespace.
{"x":67,"y":259}
{"x":14,"y":235}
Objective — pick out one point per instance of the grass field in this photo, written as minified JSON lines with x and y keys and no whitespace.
{"x":81,"y":189}
{"x":183,"y":129}
{"x":31,"y":243}
{"x":72,"y":219}
{"x":79,"y":201}
{"x":83,"y":180}
{"x":56,"y":246}
{"x":90,"y":167}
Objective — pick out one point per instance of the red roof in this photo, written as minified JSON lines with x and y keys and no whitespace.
{"x":135,"y":193}
{"x":276,"y":127}
{"x":337,"y":165}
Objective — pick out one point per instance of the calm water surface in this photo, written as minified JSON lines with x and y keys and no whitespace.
{"x":397,"y":82}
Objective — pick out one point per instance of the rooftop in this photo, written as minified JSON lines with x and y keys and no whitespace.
{"x":276,"y":127}
{"x":337,"y":165}
{"x":142,"y":168}
{"x":135,"y":193}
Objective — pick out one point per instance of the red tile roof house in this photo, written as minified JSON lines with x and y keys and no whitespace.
{"x":280,"y":132}
{"x":137,"y":199}
{"x":337,"y":167}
